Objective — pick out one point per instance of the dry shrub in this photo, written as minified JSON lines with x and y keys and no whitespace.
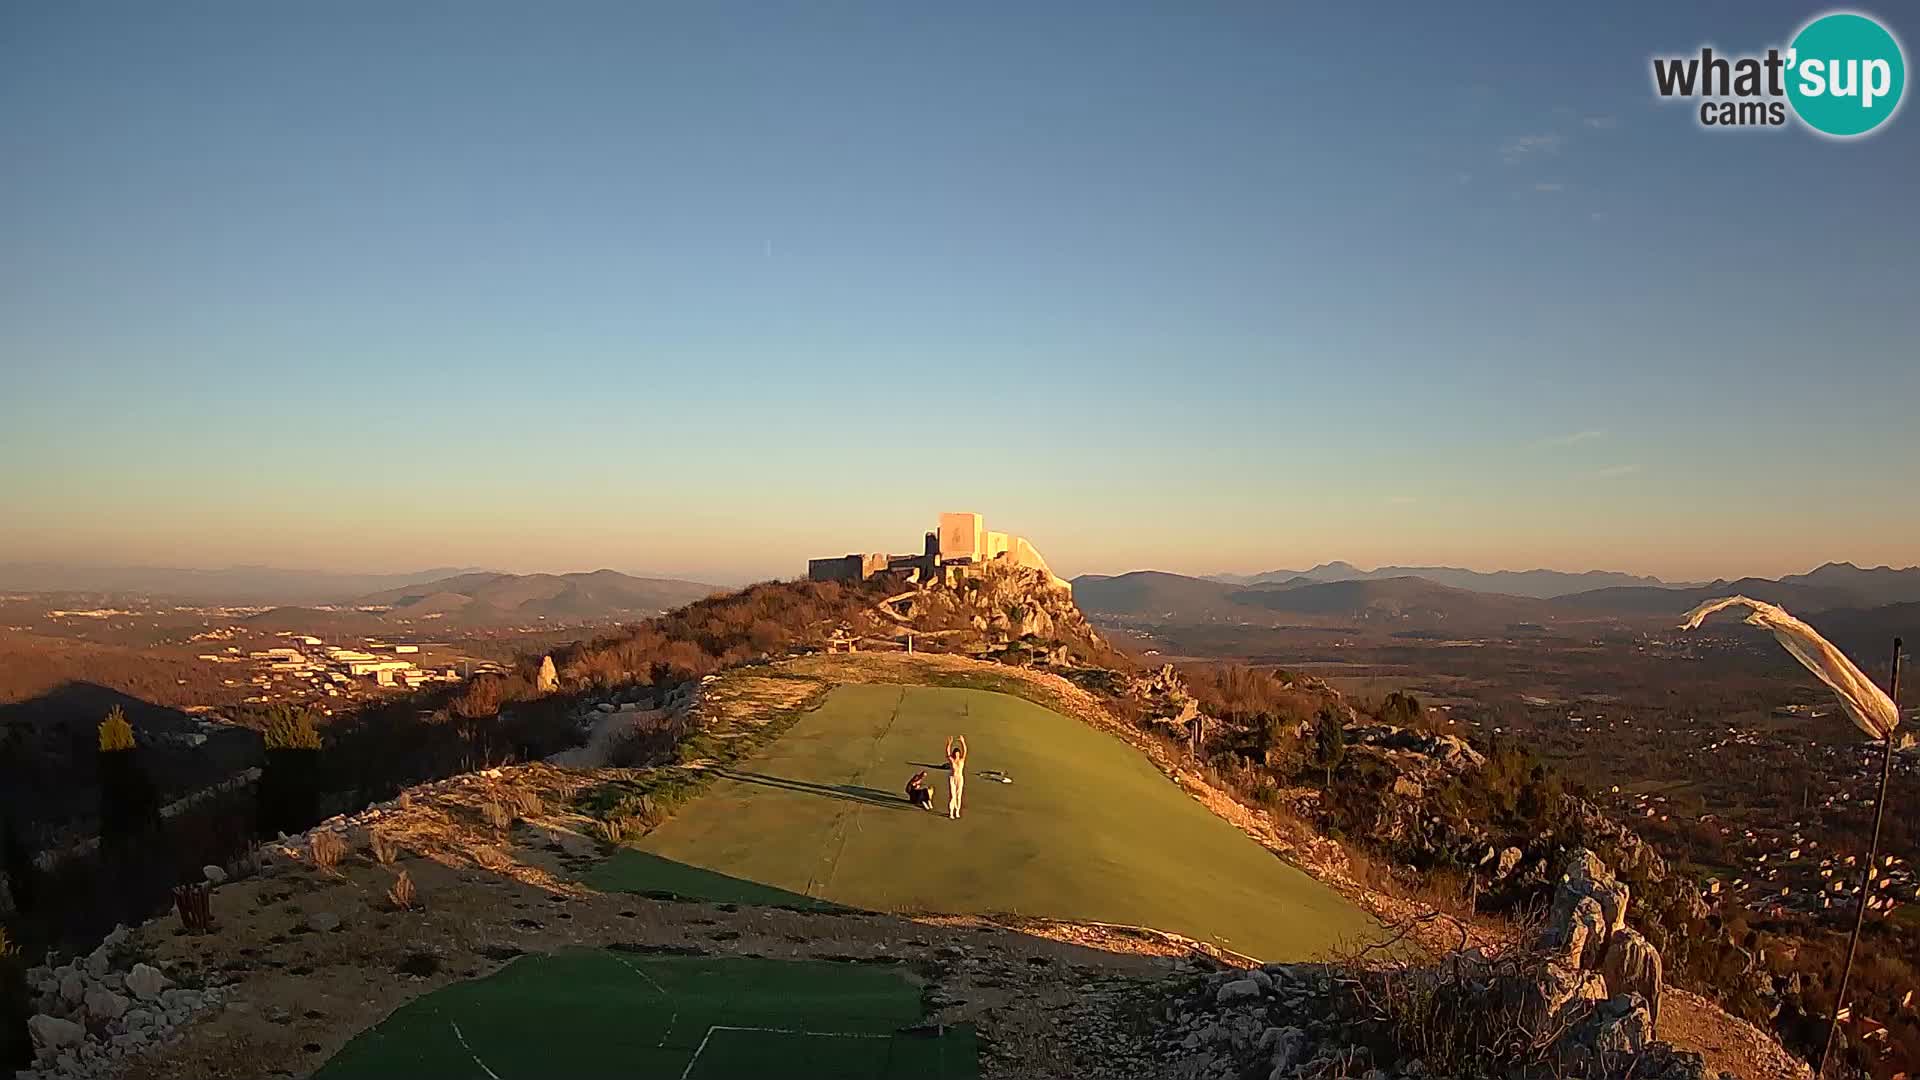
{"x":614,"y":830}
{"x":195,"y":905}
{"x":480,"y":698}
{"x":497,"y":817}
{"x":525,"y":802}
{"x":488,"y":857}
{"x":401,"y":893}
{"x":383,"y":848}
{"x":327,"y":850}
{"x":1467,"y":1015}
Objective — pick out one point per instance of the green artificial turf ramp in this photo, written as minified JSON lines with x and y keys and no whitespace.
{"x":609,"y":1013}
{"x":1088,"y":830}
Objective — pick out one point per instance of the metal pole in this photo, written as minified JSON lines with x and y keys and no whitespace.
{"x":1866,"y":880}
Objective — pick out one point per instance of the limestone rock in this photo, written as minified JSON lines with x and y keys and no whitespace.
{"x":214,"y":874}
{"x":1556,"y":992}
{"x":1631,"y":965}
{"x":73,"y":987}
{"x":53,"y":1033}
{"x":1618,"y":1031}
{"x":104,"y":1004}
{"x":548,"y":680}
{"x":1509,"y":860}
{"x":1237,"y":990}
{"x":1287,"y":1045}
{"x":1576,"y":936}
{"x":1586,"y":875}
{"x":145,"y":982}
{"x":325,"y":922}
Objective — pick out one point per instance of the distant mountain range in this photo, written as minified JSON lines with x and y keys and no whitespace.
{"x":1535,"y":583}
{"x":1158,"y":597}
{"x":1840,"y":591}
{"x":231,"y":585}
{"x":489,"y":597}
{"x":465,"y":594}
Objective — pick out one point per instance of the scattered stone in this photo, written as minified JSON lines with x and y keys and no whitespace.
{"x":214,"y":874}
{"x":324,"y":922}
{"x":1237,"y":990}
{"x":145,"y":982}
{"x":53,"y":1033}
{"x":104,"y":1004}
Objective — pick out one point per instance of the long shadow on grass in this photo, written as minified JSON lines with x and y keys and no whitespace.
{"x":659,"y":878}
{"x":886,"y":800}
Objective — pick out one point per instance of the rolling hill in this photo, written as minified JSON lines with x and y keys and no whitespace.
{"x":1851,"y":594}
{"x":1869,"y":587}
{"x":1155,"y":596}
{"x":1151,"y":594}
{"x":1675,"y":602}
{"x":229,"y":585}
{"x":1540,"y":584}
{"x":1399,"y":599}
{"x":600,"y":594}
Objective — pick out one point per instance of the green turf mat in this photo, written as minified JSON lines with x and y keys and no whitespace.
{"x":1088,"y":829}
{"x":590,"y":1013}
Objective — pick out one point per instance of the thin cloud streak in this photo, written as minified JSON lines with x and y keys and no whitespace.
{"x":1518,"y":148}
{"x":1574,"y":439}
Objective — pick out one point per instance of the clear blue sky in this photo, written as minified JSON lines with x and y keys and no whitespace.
{"x":707,"y":288}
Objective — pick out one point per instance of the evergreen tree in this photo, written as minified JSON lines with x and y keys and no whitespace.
{"x":289,"y":791}
{"x":1329,"y":741}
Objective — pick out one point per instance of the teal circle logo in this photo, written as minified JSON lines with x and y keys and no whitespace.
{"x":1845,"y":74}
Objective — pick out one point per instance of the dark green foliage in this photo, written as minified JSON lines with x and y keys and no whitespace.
{"x":1401,"y":710}
{"x":1329,"y":740}
{"x":288,"y":796}
{"x":290,"y":728}
{"x":16,"y":1005}
{"x":129,"y":802}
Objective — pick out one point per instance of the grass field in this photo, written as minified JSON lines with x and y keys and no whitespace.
{"x":1088,"y":830}
{"x":608,"y":1013}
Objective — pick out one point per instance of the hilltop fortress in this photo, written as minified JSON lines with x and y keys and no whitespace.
{"x":951,"y":552}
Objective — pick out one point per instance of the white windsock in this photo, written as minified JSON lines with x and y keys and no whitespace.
{"x":1869,"y":706}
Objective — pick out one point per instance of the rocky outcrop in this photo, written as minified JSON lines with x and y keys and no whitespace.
{"x":1443,"y":751}
{"x":548,"y":680}
{"x":1631,"y":965}
{"x":1163,"y":696}
{"x":95,"y":1011}
{"x":1300,"y":1021}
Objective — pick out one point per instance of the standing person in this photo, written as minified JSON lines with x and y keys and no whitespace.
{"x":957,"y":773}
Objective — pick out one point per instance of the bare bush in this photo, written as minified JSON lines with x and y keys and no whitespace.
{"x":1473,"y":1013}
{"x":401,"y":893}
{"x":614,"y":830}
{"x":497,"y":817}
{"x":525,"y":802}
{"x":327,"y":849}
{"x":383,"y":848}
